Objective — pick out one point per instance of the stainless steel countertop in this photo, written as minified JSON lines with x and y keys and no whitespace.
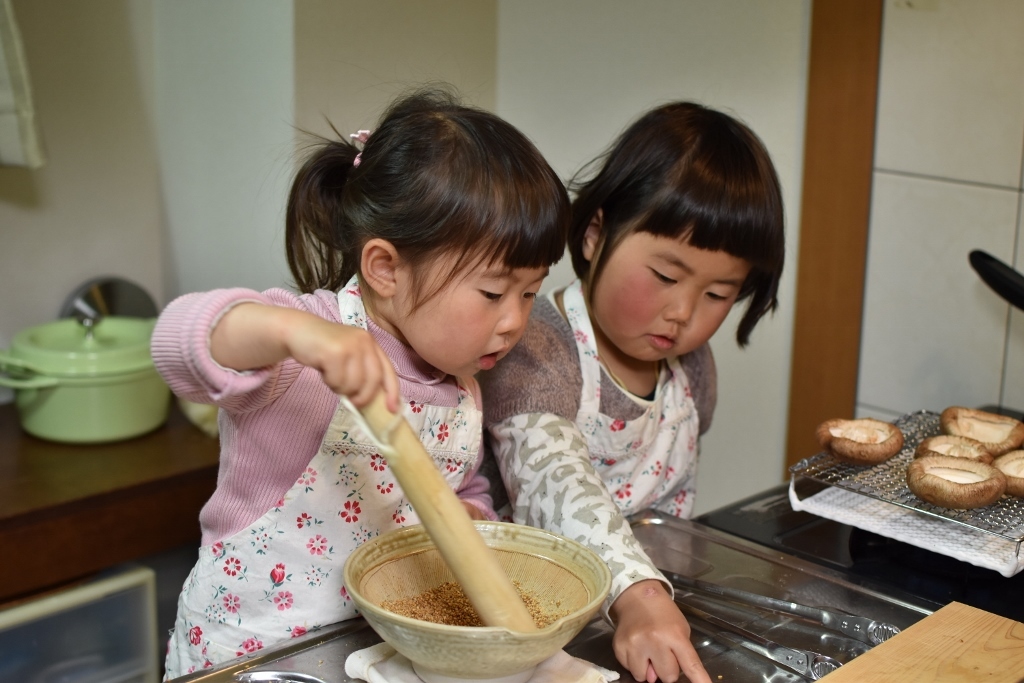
{"x":680,"y":546}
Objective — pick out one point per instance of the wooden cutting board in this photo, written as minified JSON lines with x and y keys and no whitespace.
{"x":956,"y":643}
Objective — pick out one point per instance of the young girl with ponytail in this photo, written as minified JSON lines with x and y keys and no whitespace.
{"x":418,"y":255}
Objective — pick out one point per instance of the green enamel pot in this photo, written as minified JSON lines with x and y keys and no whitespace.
{"x":86,"y":384}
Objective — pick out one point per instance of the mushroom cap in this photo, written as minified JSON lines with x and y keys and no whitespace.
{"x":1012,"y":466}
{"x":997,"y":433}
{"x":956,"y":483}
{"x":953,"y":446}
{"x":864,"y":441}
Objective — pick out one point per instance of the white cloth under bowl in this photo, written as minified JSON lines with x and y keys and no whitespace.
{"x":380,"y":663}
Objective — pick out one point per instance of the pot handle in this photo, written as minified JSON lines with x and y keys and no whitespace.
{"x":12,"y":366}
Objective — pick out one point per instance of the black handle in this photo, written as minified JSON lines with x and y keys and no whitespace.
{"x":1004,"y":280}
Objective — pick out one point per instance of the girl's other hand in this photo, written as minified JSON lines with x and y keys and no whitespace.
{"x":349,"y":360}
{"x":652,"y":638}
{"x":474,"y":512}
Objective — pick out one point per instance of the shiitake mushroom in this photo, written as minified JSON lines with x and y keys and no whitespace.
{"x":956,"y":483}
{"x":953,"y":446}
{"x":997,"y":433}
{"x":1012,"y":466}
{"x":863,"y":441}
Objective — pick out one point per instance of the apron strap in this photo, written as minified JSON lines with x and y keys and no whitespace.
{"x":586,"y":346}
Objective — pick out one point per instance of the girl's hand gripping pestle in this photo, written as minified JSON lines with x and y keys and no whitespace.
{"x":446,"y":521}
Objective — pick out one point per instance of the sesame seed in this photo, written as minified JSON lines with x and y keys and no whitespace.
{"x":448,"y":604}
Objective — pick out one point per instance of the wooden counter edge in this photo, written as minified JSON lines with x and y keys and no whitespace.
{"x":81,"y":537}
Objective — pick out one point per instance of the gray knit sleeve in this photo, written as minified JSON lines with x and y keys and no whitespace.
{"x":540,"y":375}
{"x":699,"y":366}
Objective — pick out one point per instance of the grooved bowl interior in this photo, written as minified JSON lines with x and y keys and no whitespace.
{"x":561,"y":574}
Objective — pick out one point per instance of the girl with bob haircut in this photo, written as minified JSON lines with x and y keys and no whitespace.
{"x":681,"y":219}
{"x":418,"y":254}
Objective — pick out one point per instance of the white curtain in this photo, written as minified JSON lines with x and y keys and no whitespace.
{"x":20,"y":144}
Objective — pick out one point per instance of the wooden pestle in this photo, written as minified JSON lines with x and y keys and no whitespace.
{"x":447,"y":522}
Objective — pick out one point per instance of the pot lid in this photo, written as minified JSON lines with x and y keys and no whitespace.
{"x":103,"y":296}
{"x":67,"y":348}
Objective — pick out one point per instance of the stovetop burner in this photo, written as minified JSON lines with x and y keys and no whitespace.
{"x":767,"y":518}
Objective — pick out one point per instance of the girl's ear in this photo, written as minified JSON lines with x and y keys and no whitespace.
{"x":379,"y":266}
{"x":592,"y":236}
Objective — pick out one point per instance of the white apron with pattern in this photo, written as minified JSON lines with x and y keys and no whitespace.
{"x":648,"y":462}
{"x":282,"y":576}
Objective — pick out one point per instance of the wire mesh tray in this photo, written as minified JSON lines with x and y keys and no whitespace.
{"x":887,"y":482}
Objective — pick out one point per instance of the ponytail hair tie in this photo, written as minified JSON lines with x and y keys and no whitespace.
{"x":360,"y":136}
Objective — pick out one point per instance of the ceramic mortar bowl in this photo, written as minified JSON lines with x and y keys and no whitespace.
{"x":560,"y":573}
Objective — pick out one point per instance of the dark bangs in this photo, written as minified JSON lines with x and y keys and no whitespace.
{"x":684,"y":171}
{"x":721,"y":205}
{"x":446,"y":179}
{"x":718,"y":202}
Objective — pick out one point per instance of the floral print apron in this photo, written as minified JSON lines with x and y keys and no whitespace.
{"x":282,"y":576}
{"x":648,"y":462}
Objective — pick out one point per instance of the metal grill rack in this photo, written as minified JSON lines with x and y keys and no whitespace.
{"x":887,"y":482}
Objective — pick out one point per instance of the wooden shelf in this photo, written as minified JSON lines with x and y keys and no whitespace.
{"x":67,"y":511}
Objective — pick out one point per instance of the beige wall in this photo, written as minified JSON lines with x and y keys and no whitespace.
{"x":95,"y":207}
{"x":352,"y":58}
{"x":235,"y":82}
{"x":224,"y":101}
{"x":573,"y":73}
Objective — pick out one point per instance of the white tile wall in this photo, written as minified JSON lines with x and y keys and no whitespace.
{"x":951,"y":90}
{"x":1013,"y":373}
{"x":933,"y":332}
{"x":948,"y":179}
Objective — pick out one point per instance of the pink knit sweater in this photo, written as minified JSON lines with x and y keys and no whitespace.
{"x":273,"y":419}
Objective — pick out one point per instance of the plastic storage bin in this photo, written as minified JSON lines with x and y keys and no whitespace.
{"x":103,"y":631}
